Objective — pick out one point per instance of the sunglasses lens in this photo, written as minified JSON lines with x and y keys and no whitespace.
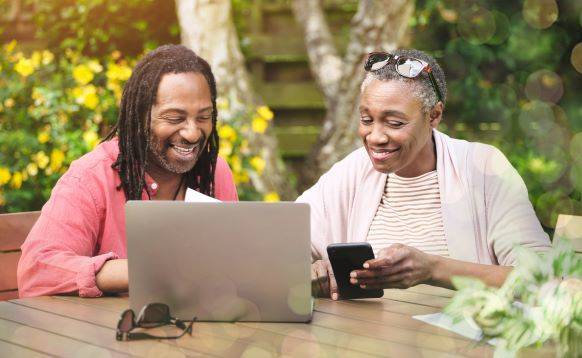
{"x":409,"y":67}
{"x":126,"y":322}
{"x":376,"y":61}
{"x":154,"y":314}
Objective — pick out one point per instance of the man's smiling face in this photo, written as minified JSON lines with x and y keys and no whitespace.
{"x":181,"y":122}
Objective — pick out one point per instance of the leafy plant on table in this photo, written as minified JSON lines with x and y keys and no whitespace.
{"x":540,"y":301}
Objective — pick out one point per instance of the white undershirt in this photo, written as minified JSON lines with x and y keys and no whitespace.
{"x":410,"y":213}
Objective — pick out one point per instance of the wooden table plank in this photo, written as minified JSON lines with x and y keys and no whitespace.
{"x":433,"y":290}
{"x":416,"y":298}
{"x":324,"y":325}
{"x":50,"y":343}
{"x":13,"y":350}
{"x":212,"y":338}
{"x":83,"y":331}
{"x":355,"y":311}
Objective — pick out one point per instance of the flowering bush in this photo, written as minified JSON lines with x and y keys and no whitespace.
{"x":233,"y":131}
{"x":54,"y":109}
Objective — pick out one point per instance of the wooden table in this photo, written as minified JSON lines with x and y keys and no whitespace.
{"x":72,"y":326}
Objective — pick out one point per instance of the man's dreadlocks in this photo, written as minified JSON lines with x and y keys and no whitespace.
{"x":133,"y":123}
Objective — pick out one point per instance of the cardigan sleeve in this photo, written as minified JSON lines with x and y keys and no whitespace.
{"x":331,"y":201}
{"x":511,"y":220}
{"x":319,"y":222}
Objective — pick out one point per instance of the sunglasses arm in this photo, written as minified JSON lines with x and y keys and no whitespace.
{"x":434,"y":84}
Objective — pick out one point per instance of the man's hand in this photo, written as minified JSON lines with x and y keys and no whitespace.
{"x":398,"y":266}
{"x":323,"y":282}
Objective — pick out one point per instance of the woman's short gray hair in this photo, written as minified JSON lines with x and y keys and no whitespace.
{"x":421,"y":86}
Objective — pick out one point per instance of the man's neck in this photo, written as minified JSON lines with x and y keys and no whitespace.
{"x":168,"y":183}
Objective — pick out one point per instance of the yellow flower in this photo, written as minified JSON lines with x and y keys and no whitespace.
{"x":115,"y":55}
{"x":271,"y":197}
{"x":2,"y":200}
{"x":72,"y":55}
{"x":117,"y":72}
{"x":41,"y":159}
{"x":241,"y":178}
{"x":16,"y":182}
{"x":258,"y":164}
{"x":87,"y":96}
{"x":225,"y":149}
{"x":43,"y":137}
{"x":9,"y":47}
{"x":32,"y":169}
{"x":47,"y":57}
{"x":83,"y":74}
{"x":91,"y":138}
{"x":24,"y":67}
{"x":265,"y":112}
{"x":227,"y":132}
{"x":9,"y":102}
{"x":4,"y":175}
{"x":36,"y":58}
{"x":95,"y":66}
{"x":259,"y":124}
{"x":57,"y":158}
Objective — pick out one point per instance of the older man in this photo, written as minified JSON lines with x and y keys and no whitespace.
{"x":431,"y":206}
{"x":164,"y":142}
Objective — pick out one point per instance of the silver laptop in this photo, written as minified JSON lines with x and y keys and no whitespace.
{"x":246,"y":261}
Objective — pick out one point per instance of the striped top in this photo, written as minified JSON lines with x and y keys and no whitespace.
{"x":410,"y":213}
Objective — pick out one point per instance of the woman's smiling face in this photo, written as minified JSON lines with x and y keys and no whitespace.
{"x":395,"y":131}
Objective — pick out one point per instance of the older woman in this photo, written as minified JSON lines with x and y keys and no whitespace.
{"x":431,"y":206}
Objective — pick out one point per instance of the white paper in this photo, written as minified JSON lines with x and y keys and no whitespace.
{"x":192,"y":196}
{"x":465,"y":328}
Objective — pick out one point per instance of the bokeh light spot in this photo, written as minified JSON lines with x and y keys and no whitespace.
{"x":502,"y":28}
{"x":545,"y":86}
{"x":576,"y":57}
{"x":536,"y":119}
{"x":476,"y":25}
{"x":576,"y":147}
{"x":576,"y":175}
{"x":540,"y":14}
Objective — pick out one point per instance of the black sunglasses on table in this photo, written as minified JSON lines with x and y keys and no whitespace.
{"x":150,"y":316}
{"x":405,"y":66}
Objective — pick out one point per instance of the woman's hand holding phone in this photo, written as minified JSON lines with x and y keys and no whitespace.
{"x":397,"y":266}
{"x":323,"y":284}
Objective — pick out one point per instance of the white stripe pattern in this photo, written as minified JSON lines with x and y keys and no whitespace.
{"x":410,"y":213}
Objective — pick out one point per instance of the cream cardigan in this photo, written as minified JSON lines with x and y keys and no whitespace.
{"x":485,"y":205}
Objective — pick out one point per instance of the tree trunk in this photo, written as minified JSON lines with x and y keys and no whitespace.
{"x":208,"y":29}
{"x":377,"y":25}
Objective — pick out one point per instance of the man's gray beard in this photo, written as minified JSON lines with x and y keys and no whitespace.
{"x":161,"y":160}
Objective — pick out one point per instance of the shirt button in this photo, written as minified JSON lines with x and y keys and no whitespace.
{"x":154,"y":186}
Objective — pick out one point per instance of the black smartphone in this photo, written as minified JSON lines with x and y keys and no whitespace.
{"x":345,"y":258}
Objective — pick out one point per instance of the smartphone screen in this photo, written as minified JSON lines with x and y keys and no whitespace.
{"x":345,"y":258}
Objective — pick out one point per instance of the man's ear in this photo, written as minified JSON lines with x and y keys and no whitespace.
{"x":436,"y":114}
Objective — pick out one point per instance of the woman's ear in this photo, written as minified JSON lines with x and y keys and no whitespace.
{"x":436,"y":114}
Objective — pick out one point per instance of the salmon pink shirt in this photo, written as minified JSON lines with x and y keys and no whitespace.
{"x":83,"y":225}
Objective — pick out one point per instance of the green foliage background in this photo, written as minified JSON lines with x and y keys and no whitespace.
{"x":511,"y":83}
